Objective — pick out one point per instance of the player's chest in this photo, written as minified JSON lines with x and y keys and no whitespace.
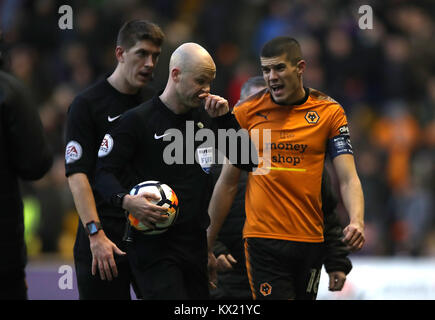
{"x":300,"y":132}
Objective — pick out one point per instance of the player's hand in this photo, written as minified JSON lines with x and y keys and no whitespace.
{"x":354,"y":236}
{"x":103,"y":256}
{"x":225,"y":262}
{"x":336,"y":280}
{"x":141,"y":207}
{"x":212,"y":274}
{"x":215,"y":105}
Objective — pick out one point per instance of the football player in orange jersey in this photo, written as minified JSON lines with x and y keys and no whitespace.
{"x":232,"y":279}
{"x":284,"y":220}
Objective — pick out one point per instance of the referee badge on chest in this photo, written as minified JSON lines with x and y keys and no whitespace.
{"x":205,"y":158}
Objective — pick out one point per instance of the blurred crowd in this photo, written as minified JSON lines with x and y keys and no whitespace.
{"x":384,"y":78}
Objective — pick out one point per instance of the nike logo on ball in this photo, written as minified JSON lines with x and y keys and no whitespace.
{"x":110,"y":119}
{"x":158,"y":137}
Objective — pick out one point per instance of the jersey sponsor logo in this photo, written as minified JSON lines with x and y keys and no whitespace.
{"x":73,"y":151}
{"x":106,"y":146}
{"x":287,"y":153}
{"x":161,"y":136}
{"x":262,"y":115}
{"x":312,"y":117}
{"x":265,"y":289}
{"x":111,"y":119}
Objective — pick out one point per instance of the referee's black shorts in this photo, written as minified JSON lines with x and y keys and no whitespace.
{"x":281,"y":269}
{"x":92,"y":287}
{"x":171,"y":265}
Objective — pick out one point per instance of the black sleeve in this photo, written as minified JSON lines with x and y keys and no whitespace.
{"x":29,"y":152}
{"x":244,"y":155}
{"x":220,"y":248}
{"x":81,"y":139}
{"x":118,"y":148}
{"x":336,"y":252}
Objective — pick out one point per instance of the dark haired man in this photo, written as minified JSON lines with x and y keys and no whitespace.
{"x":228,"y":248}
{"x":284,"y":220}
{"x":98,"y":246}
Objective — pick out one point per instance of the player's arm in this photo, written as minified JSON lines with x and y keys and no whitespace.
{"x":223,"y":196}
{"x":336,"y":262}
{"x":220,"y":204}
{"x":353,"y":199}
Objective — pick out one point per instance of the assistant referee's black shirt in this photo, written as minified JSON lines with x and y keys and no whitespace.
{"x":134,"y":152}
{"x":92,"y":113}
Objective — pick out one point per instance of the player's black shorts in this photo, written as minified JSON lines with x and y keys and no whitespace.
{"x":92,"y":287}
{"x":171,"y":265}
{"x":281,"y":269}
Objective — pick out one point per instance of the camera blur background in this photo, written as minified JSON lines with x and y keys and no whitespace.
{"x":383,"y":77}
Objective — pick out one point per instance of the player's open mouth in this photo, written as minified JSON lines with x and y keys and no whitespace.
{"x":144,"y":74}
{"x":277,"y":89}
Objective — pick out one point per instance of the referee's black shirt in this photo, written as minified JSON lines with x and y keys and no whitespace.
{"x":135,"y":154}
{"x":92,"y":113}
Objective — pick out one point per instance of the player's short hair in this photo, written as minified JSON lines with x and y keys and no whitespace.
{"x":281,"y":45}
{"x":257,"y":81}
{"x":138,"y":30}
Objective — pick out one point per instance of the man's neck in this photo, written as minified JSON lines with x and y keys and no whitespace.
{"x":298,"y":95}
{"x":117,"y":81}
{"x":172,"y":103}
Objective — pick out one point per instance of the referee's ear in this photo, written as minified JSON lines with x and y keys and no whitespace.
{"x":119,"y":51}
{"x":175,"y":74}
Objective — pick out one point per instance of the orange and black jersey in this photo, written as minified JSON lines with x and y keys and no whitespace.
{"x":285,"y":201}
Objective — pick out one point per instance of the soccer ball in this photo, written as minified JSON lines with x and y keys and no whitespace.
{"x":168,"y":199}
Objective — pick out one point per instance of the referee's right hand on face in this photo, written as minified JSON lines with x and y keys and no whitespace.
{"x":141,"y":207}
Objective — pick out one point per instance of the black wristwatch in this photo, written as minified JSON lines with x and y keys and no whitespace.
{"x":117,"y":199}
{"x":93,"y":227}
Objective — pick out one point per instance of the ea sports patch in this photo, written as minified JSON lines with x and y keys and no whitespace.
{"x":73,"y":151}
{"x":106,"y":146}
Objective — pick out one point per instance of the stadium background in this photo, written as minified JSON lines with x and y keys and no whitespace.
{"x":383,"y":77}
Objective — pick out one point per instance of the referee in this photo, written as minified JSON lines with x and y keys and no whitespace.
{"x":171,"y":265}
{"x":101,"y":266}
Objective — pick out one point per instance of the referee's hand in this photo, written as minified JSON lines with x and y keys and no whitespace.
{"x":141,"y":207}
{"x":215,"y":105}
{"x":103,"y":256}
